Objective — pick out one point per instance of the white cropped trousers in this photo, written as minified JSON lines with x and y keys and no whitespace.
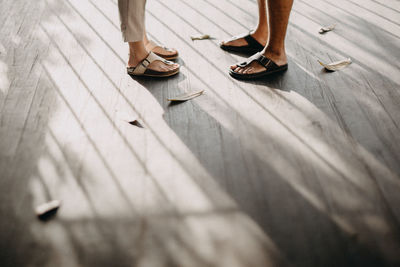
{"x":131,"y":14}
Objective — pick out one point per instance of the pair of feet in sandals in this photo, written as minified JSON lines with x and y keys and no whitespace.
{"x":157,"y":63}
{"x":263,"y":61}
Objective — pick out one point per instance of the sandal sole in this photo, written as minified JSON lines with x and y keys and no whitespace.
{"x":155,"y":75}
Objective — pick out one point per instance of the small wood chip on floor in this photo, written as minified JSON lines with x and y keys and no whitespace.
{"x":326,"y":29}
{"x":337,"y":65}
{"x":186,"y":96}
{"x":200,"y":37}
{"x":131,"y":119}
{"x":136,"y":123}
{"x":48,"y":209}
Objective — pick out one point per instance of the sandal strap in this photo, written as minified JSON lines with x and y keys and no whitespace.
{"x":260,"y":58}
{"x":236,"y":37}
{"x":249,"y":60}
{"x":253,"y":42}
{"x":263,"y":60}
{"x":142,"y":66}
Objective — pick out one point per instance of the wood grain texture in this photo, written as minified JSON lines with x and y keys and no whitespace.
{"x":302,"y":169}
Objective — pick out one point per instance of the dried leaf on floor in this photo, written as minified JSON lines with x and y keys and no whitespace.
{"x":337,"y":65}
{"x":186,"y":96}
{"x":45,"y":210}
{"x":200,"y":37}
{"x":325,"y":29}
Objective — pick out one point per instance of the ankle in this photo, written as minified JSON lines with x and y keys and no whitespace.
{"x":275,"y":51}
{"x":137,"y":52}
{"x":261,"y":35}
{"x":276,"y":55}
{"x":136,"y":58}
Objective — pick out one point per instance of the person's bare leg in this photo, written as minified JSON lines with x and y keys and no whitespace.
{"x":138,"y":52}
{"x":146,"y":39}
{"x":261,"y":32}
{"x":279,"y":12}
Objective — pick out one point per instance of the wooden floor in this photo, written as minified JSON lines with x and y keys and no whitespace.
{"x":299,"y":170}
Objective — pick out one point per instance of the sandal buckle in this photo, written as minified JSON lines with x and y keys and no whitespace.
{"x":263,"y":60}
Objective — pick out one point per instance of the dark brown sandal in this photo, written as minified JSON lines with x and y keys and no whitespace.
{"x":270,"y":68}
{"x":253,"y":46}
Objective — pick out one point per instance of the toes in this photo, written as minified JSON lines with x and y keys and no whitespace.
{"x":233,"y":67}
{"x":173,"y":66}
{"x":248,"y":70}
